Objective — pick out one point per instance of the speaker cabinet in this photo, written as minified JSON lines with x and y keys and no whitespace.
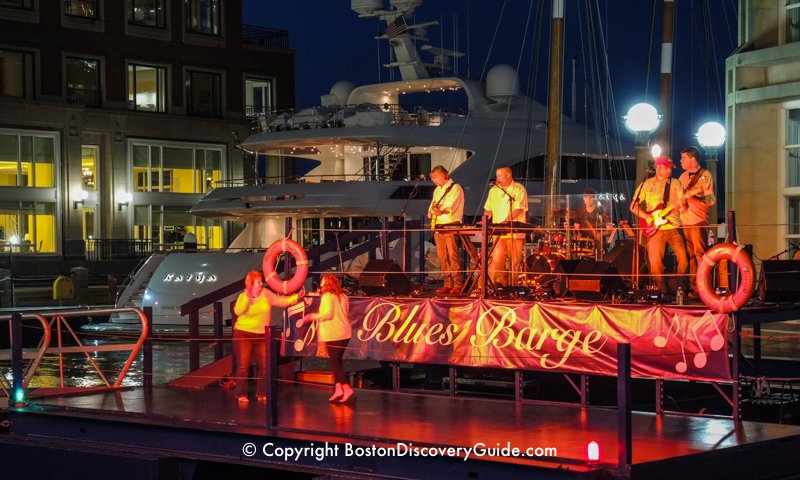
{"x":621,"y":256}
{"x":594,"y":280}
{"x":779,"y":281}
{"x":384,"y":278}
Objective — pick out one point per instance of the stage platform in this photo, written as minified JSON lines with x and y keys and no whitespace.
{"x":169,"y":425}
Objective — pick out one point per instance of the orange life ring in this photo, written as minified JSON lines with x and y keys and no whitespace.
{"x":739,"y":256}
{"x":285,"y":245}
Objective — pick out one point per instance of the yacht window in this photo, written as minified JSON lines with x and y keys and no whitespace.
{"x":148,"y":13}
{"x":83,"y":81}
{"x":16,"y":72}
{"x":147,"y":88}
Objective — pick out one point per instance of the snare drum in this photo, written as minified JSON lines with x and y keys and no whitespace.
{"x":582,"y":247}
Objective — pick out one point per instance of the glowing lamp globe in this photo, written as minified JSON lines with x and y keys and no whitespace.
{"x":711,"y":135}
{"x":642,"y":118}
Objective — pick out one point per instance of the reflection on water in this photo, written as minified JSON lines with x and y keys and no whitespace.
{"x":170,"y":361}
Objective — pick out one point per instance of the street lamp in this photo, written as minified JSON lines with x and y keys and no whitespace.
{"x":13,"y":241}
{"x":642,"y":119}
{"x":711,"y":136}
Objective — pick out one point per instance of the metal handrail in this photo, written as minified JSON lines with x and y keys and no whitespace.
{"x":35,"y":355}
{"x":58,"y":319}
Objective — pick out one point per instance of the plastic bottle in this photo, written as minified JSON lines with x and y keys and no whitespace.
{"x":680,"y":296}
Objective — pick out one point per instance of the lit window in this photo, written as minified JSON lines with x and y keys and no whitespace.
{"x":89,"y":162}
{"x":81,"y":8}
{"x":33,"y":223}
{"x":258,"y":96}
{"x":22,"y":4}
{"x":202,"y":16}
{"x":148,"y":13}
{"x":792,"y":21}
{"x":204,"y":94}
{"x":147,"y":89}
{"x":83,"y":81}
{"x":175,"y":169}
{"x":26,"y":161}
{"x":16,"y":72}
{"x":166,"y":226}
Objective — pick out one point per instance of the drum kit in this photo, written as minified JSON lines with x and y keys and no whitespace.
{"x":548,"y":248}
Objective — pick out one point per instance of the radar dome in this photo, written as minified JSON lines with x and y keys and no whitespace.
{"x":341,"y":90}
{"x":502,"y":83}
{"x":366,"y":7}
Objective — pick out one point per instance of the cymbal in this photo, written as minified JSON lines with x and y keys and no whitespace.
{"x":566,"y":212}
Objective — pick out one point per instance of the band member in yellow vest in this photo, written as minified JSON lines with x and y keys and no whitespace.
{"x":447,"y":207}
{"x":507,"y":202}
{"x":657,"y":201}
{"x":699,"y":186}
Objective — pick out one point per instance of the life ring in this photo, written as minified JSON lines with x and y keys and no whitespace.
{"x":739,"y":256}
{"x":285,"y":245}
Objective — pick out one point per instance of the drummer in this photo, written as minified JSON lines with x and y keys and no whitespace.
{"x":592,"y":223}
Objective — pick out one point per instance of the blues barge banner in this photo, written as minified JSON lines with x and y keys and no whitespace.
{"x":666,"y":342}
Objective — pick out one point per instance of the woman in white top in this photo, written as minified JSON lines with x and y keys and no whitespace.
{"x":333,"y":328}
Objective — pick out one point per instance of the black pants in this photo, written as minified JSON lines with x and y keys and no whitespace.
{"x":335,"y":352}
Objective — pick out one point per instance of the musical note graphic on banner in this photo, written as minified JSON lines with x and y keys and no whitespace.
{"x":681,"y":366}
{"x":661,"y":341}
{"x":295,"y":311}
{"x":718,"y":341}
{"x":700,"y":358}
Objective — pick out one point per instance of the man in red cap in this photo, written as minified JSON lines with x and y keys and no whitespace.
{"x":657,"y":202}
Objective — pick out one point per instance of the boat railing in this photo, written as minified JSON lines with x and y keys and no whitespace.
{"x":361,"y":115}
{"x":67,"y":342}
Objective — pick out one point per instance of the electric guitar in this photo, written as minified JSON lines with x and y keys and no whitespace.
{"x":655,"y":220}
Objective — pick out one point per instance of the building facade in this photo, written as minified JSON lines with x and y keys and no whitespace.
{"x":118,"y":115}
{"x":762,"y":170}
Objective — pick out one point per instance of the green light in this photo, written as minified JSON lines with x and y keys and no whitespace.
{"x":19,"y":395}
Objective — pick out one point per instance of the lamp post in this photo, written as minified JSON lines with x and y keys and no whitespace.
{"x":13,"y":241}
{"x":642,"y":119}
{"x":711,"y":136}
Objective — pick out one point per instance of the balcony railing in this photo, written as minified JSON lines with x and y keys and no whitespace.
{"x":264,"y":37}
{"x":117,"y":248}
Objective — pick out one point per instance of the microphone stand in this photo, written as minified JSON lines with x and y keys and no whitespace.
{"x":411,"y":194}
{"x":511,"y":228}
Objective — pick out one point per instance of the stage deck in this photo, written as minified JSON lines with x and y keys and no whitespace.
{"x":211,"y":424}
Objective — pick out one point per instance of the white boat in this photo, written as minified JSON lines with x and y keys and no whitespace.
{"x":369,"y":147}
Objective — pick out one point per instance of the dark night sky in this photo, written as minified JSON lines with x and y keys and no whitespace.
{"x":333,"y":44}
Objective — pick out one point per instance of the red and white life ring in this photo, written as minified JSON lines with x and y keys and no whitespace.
{"x":271,"y":256}
{"x":739,"y":256}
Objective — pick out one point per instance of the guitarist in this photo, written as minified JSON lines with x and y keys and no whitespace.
{"x":699,"y":187}
{"x":657,"y":201}
{"x":447,"y":207}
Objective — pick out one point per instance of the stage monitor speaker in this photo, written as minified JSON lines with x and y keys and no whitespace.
{"x":594,"y":280}
{"x":621,"y":256}
{"x":384,"y":278}
{"x":779,"y":281}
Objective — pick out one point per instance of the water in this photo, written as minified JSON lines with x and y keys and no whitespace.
{"x":170,"y":361}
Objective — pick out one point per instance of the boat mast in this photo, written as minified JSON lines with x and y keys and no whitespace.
{"x":552,"y":172}
{"x":667,"y":33}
